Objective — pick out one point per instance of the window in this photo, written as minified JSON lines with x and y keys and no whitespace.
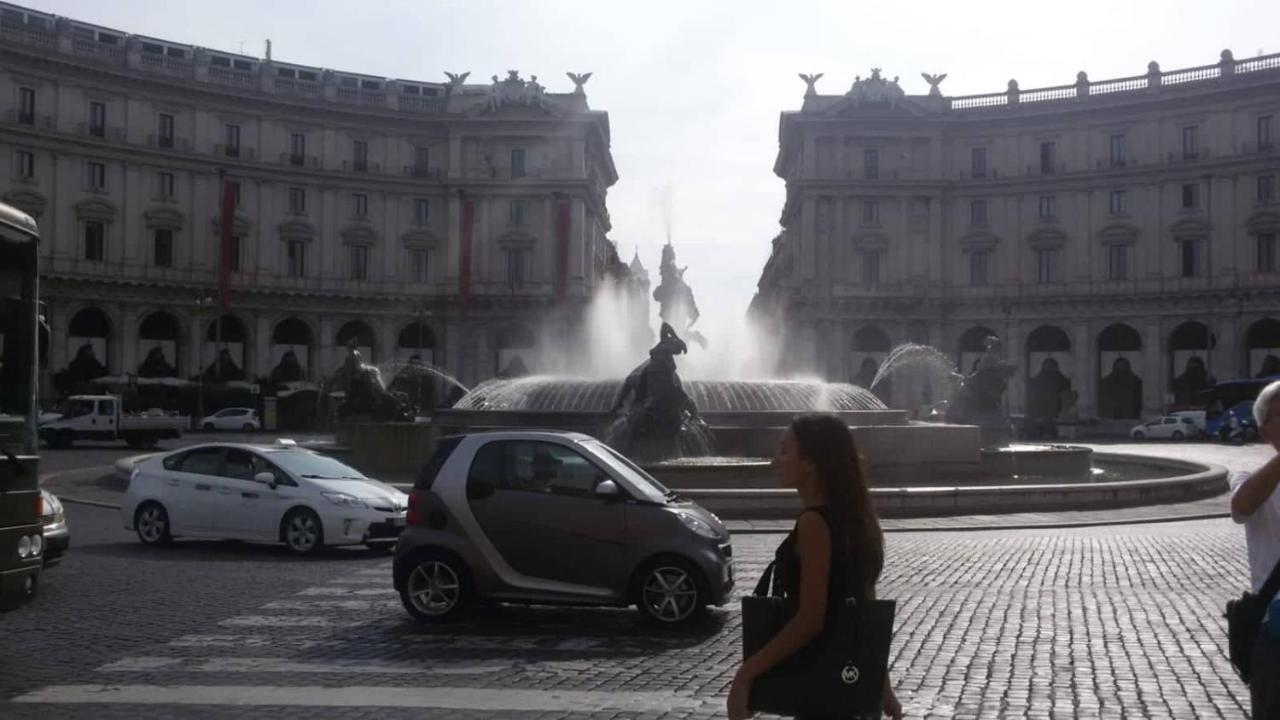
{"x":1264,"y":133}
{"x":1119,"y":202}
{"x":1190,"y":258}
{"x":1048,"y":207}
{"x":360,"y":156}
{"x":164,"y":186}
{"x":97,"y":176}
{"x":421,"y":161}
{"x":870,"y":213}
{"x":421,"y":211}
{"x":978,"y":162}
{"x":24,"y":165}
{"x":231,"y":141}
{"x":1266,"y":188}
{"x":359,"y":257}
{"x":1117,"y":262}
{"x":870,"y":262}
{"x":97,"y":119}
{"x":536,"y":467}
{"x":1119,"y":151}
{"x":519,"y":212}
{"x":1190,"y":196}
{"x":95,"y":240}
{"x":1190,"y":142}
{"x":978,"y":263}
{"x":297,"y":149}
{"x":206,"y":461}
{"x":360,"y":205}
{"x":1266,"y":252}
{"x":297,"y":200}
{"x":1048,"y":161}
{"x":978,"y":212}
{"x":164,"y":127}
{"x":26,"y":106}
{"x":1047,"y":265}
{"x":163,"y":251}
{"x":871,"y":164}
{"x":517,"y":162}
{"x":419,"y":264}
{"x":296,"y":251}
{"x":233,"y":262}
{"x":515,"y":267}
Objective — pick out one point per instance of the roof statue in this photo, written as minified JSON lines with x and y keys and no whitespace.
{"x":455,"y":80}
{"x":875,"y":89}
{"x":515,"y":92}
{"x":810,"y":81}
{"x":934,"y":81}
{"x":579,"y":79}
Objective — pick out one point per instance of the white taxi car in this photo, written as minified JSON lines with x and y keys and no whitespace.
{"x":266,"y":493}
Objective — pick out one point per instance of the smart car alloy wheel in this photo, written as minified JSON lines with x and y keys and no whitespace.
{"x":669,"y":594}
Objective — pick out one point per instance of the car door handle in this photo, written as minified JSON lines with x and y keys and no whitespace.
{"x":249,"y":495}
{"x":174,"y":482}
{"x":202,"y":486}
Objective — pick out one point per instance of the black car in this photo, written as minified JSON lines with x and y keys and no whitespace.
{"x":57,"y":537}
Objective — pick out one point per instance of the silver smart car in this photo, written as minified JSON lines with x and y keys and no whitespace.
{"x":554,"y":518}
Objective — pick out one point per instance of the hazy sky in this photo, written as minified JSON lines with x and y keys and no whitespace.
{"x":693,"y":88}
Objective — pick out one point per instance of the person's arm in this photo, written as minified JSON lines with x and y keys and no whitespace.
{"x":1254,"y":491}
{"x":813,"y":545}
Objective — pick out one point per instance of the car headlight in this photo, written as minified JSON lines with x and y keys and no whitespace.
{"x":345,"y":500}
{"x":698,"y":525}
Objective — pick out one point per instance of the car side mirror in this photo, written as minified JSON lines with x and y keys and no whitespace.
{"x":266,"y":478}
{"x":608,"y":490}
{"x":479,"y":490}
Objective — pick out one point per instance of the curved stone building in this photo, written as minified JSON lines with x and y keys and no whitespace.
{"x":1120,"y":235}
{"x":464,"y":223}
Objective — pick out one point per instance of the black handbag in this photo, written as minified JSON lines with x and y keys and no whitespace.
{"x":840,"y":674}
{"x":1244,"y":623}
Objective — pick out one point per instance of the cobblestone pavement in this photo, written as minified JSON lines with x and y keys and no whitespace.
{"x":1102,"y":622}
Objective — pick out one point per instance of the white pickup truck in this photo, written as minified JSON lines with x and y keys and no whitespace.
{"x":98,"y":417}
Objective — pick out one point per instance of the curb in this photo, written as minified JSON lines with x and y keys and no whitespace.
{"x":1021,"y":526}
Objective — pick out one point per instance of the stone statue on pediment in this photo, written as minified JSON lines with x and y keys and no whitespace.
{"x":875,"y":89}
{"x":809,"y":82}
{"x":934,"y":81}
{"x":579,"y":79}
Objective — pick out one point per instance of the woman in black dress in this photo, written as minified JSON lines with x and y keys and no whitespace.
{"x":835,"y":551}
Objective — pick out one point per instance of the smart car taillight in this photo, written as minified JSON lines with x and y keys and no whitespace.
{"x":414,"y":515}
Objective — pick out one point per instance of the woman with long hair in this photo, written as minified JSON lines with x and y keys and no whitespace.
{"x":836,"y":550}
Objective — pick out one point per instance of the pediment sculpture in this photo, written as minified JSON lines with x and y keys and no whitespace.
{"x":875,"y":89}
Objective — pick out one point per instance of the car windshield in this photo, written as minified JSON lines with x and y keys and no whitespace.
{"x":643,"y":483}
{"x":314,"y":466}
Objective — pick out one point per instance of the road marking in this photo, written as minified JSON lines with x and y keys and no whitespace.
{"x":455,"y":698}
{"x":501,"y":643}
{"x":290,"y":621}
{"x":281,"y":665}
{"x":349,"y":591}
{"x":332,"y":605}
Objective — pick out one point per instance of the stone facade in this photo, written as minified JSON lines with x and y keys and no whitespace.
{"x":352,"y":195}
{"x":1098,"y":224}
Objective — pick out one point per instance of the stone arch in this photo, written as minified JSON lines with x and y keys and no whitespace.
{"x":1050,"y":364}
{"x":416,"y":338}
{"x":1119,"y":376}
{"x":971,"y":346}
{"x":159,"y":340}
{"x":515,"y":350}
{"x":89,"y":334}
{"x":868,"y":347}
{"x":226,"y":346}
{"x":1189,"y":346}
{"x":292,"y":343}
{"x":1262,"y":340}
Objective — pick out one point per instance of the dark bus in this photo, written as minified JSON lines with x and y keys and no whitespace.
{"x":21,"y":541}
{"x":1233,"y":398}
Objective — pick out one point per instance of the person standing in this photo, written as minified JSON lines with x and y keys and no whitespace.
{"x":836,"y":550}
{"x":1255,"y":502}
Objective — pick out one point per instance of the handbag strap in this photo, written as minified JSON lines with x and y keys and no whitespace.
{"x":762,"y":587}
{"x":1272,"y":585}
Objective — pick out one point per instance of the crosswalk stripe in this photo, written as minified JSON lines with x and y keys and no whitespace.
{"x":284,"y":665}
{"x":349,"y":591}
{"x":455,"y":698}
{"x":499,"y":643}
{"x":292,"y":621}
{"x":332,"y":605}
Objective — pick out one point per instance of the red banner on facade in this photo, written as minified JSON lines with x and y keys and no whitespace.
{"x":464,"y":254}
{"x":563,"y":221}
{"x":226,"y":221}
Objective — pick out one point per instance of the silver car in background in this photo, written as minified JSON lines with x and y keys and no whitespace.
{"x":554,"y":518}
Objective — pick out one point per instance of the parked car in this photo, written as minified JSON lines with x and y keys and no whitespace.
{"x":57,"y":536}
{"x":556,"y":518}
{"x":232,"y":419}
{"x":1197,"y":417}
{"x":98,"y":417}
{"x":1169,"y":427}
{"x":263,"y":493}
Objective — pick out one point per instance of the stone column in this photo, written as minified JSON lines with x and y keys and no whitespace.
{"x":57,"y":319}
{"x":1155,"y":382}
{"x":452,"y":246}
{"x":128,"y":340}
{"x":454,"y":169}
{"x":195,"y":343}
{"x":808,"y":234}
{"x":261,"y":360}
{"x":387,"y":329}
{"x":1015,"y":352}
{"x":1227,"y":355}
{"x":326,"y":362}
{"x":1084,"y":374}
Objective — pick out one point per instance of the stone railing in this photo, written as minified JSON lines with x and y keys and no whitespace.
{"x":1083,"y":88}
